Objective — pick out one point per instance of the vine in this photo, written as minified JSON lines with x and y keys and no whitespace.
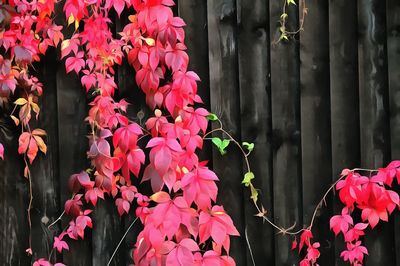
{"x":183,"y":225}
{"x":26,"y":32}
{"x":286,"y":33}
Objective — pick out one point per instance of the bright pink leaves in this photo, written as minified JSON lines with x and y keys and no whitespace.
{"x":126,"y":137}
{"x":1,"y":151}
{"x":217,"y":225}
{"x":371,"y":196}
{"x":169,"y":215}
{"x":355,"y":232}
{"x":164,"y":157}
{"x":154,"y":44}
{"x":180,"y":254}
{"x":354,"y":253}
{"x":340,"y":223}
{"x":199,"y":187}
{"x":60,"y":244}
{"x":127,"y":196}
{"x":75,"y":63}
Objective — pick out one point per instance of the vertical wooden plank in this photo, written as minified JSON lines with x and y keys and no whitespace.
{"x":255,"y":107}
{"x":345,"y":127}
{"x":45,"y":171}
{"x":72,"y":110}
{"x":315,"y":122}
{"x":225,"y":102}
{"x":374,"y":113}
{"x":13,"y":197}
{"x":285,"y":95}
{"x":106,"y":234}
{"x":194,"y":13}
{"x":393,"y":54}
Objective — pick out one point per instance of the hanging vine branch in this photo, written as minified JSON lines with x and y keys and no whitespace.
{"x":285,"y":32}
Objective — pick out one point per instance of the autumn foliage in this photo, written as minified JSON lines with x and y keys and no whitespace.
{"x":183,"y":225}
{"x":180,"y":218}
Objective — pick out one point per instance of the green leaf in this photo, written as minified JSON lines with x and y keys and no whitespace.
{"x":291,"y":2}
{"x":248,"y":146}
{"x":212,"y":117}
{"x":217,"y":141}
{"x":254,"y":194}
{"x":247,"y":178}
{"x":221,"y":144}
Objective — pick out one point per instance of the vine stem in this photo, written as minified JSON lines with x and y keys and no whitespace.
{"x":30,"y":203}
{"x":61,"y":215}
{"x":262,"y":211}
{"x":120,"y":242}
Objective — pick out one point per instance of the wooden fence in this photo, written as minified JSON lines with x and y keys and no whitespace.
{"x":328,"y":100}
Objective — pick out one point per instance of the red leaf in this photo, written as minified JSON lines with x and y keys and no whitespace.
{"x":119,"y":6}
{"x":59,"y":244}
{"x":75,"y":63}
{"x":1,"y":151}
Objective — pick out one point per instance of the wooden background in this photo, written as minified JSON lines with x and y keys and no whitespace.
{"x":328,"y":100}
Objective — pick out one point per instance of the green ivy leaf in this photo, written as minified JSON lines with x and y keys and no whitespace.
{"x":212,"y":117}
{"x":221,"y":144}
{"x":247,"y":178}
{"x":248,"y":146}
{"x":291,"y":2}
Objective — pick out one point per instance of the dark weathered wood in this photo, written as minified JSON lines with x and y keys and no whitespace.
{"x":374,"y":113}
{"x":224,"y":93}
{"x":393,"y":55}
{"x":315,"y":122}
{"x":45,"y":171}
{"x":285,"y":95}
{"x":72,"y":129}
{"x":345,"y":126}
{"x":194,"y":13}
{"x":107,"y":232}
{"x":255,"y":110}
{"x":13,"y":198}
{"x":337,"y":96}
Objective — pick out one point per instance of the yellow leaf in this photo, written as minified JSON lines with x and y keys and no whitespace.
{"x":65,"y":44}
{"x":132,"y":18}
{"x":35,"y":108}
{"x":150,"y":41}
{"x":71,"y":19}
{"x":39,"y":132}
{"x":185,"y":170}
{"x":254,"y":193}
{"x":160,"y":197}
{"x":16,"y":120}
{"x":42,"y":146}
{"x":76,"y":24}
{"x":20,"y":101}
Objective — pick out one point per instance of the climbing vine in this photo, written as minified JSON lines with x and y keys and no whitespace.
{"x":182,"y":224}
